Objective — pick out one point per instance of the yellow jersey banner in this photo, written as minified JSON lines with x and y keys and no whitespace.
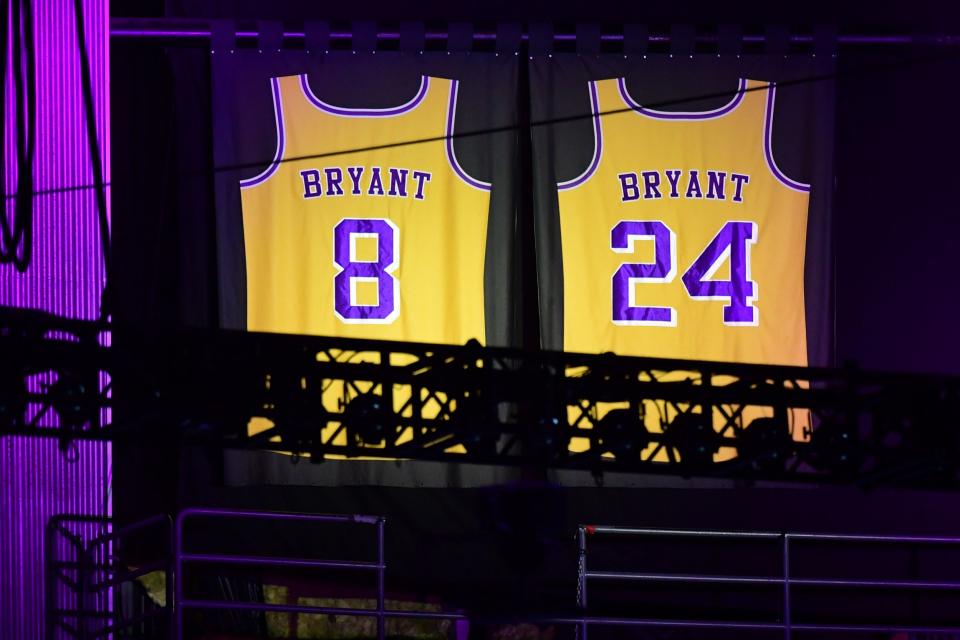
{"x":682,"y":194}
{"x":385,"y":242}
{"x":365,"y":195}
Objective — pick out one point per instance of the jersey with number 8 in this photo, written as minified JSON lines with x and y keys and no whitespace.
{"x":386,"y":242}
{"x":683,"y":239}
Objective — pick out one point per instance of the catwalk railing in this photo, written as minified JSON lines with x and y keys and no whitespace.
{"x":183,"y":558}
{"x":787,"y":578}
{"x":89,"y":589}
{"x":322,"y":398}
{"x":796,"y":560}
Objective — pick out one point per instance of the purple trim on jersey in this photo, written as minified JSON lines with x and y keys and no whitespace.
{"x":410,"y":105}
{"x":278,"y":156}
{"x":597,"y":144}
{"x":451,"y":155}
{"x":768,"y":145}
{"x":682,"y":115}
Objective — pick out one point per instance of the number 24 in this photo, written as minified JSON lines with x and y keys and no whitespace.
{"x":733,"y":241}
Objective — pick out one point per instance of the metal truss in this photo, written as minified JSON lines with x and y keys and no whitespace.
{"x":54,"y":378}
{"x":327,"y":398}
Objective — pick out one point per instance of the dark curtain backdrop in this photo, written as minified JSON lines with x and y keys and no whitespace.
{"x":164,"y":274}
{"x":898,"y":219}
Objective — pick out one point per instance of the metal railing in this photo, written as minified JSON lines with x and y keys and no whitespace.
{"x":81,"y":582}
{"x":66,"y":574}
{"x":98,"y":574}
{"x":787,"y":543}
{"x":182,"y":557}
{"x":91,"y":575}
{"x":107,"y":542}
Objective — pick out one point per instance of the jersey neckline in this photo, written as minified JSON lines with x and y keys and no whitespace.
{"x":682,"y":115}
{"x":348,"y":112}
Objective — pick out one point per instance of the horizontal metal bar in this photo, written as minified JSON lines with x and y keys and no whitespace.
{"x":594,"y":620}
{"x":882,"y":584}
{"x":76,"y":565}
{"x":826,"y":537}
{"x":279,"y":562}
{"x":127,"y":576}
{"x":81,"y":613}
{"x":256,"y":606}
{"x":678,"y":577}
{"x":425,"y":615}
{"x":868,"y":538}
{"x":129,"y":622}
{"x":278,"y":515}
{"x":130,"y":528}
{"x":683,"y":624}
{"x":682,"y":532}
{"x":78,"y":518}
{"x":710,"y":624}
{"x":301,"y":608}
{"x":158,"y":28}
{"x":873,"y":628}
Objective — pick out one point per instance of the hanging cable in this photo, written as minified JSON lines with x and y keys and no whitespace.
{"x":96,"y":162}
{"x":17,"y":238}
{"x":4,"y":43}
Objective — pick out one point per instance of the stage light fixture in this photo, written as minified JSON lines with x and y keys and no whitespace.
{"x":620,"y":432}
{"x":606,"y":383}
{"x":545,"y":433}
{"x":13,"y":398}
{"x":692,"y":435}
{"x":474,"y":417}
{"x":548,"y":440}
{"x":367,"y":420}
{"x":765,"y":444}
{"x":835,"y":448}
{"x":68,"y":397}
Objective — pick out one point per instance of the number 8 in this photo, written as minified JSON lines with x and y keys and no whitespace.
{"x":351,"y":271}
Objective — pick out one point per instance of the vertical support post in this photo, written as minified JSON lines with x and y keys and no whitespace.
{"x":50,"y":575}
{"x":786,"y":587}
{"x":103,"y":569}
{"x":83,"y":597}
{"x":177,"y":578}
{"x":173,"y":631}
{"x":381,"y":569}
{"x":582,"y":580}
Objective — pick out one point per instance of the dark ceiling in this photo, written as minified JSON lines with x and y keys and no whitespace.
{"x":917,"y":16}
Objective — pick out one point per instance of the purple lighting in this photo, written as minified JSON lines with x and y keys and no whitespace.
{"x":65,"y":277}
